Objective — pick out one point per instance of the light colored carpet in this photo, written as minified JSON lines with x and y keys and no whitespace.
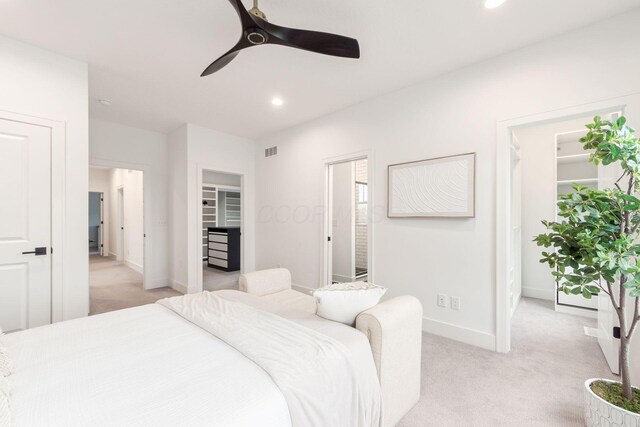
{"x":539,"y":383}
{"x":215,"y":280}
{"x":114,"y":286}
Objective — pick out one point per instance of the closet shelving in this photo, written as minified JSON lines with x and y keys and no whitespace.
{"x":209,"y":213}
{"x":220,"y":208}
{"x":573,"y":167}
{"x":232,"y":209}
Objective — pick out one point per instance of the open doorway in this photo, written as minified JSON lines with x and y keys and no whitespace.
{"x":550,"y":159}
{"x":221,"y":218}
{"x":348,"y":220}
{"x":96,"y":245}
{"x":117,"y":270}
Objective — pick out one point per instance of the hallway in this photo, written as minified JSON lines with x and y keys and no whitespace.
{"x":114,"y":286}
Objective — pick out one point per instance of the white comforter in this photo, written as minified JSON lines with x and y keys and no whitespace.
{"x":321,"y":383}
{"x":147,"y":366}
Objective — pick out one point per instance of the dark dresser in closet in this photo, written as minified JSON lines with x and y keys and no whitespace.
{"x":223,"y":244}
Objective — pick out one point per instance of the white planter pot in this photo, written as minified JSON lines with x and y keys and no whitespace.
{"x":598,"y":412}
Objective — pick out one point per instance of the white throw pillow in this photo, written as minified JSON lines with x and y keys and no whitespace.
{"x":342,"y":302}
{"x":6,"y":364}
{"x":5,"y":392}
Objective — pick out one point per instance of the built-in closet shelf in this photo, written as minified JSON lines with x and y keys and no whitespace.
{"x":578,"y":181}
{"x":575,"y":158}
{"x":573,"y":167}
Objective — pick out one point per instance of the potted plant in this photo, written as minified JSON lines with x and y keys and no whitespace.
{"x":596,"y":249}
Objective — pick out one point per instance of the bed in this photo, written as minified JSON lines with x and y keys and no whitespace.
{"x":259,"y":364}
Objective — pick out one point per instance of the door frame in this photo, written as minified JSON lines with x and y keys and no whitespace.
{"x":120,"y":238}
{"x":58,"y":201}
{"x":148,"y":250}
{"x":197,"y":228}
{"x":101,"y":225}
{"x":326,"y":227}
{"x":505,"y":130}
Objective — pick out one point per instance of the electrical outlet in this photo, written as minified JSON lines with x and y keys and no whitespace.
{"x":455,"y":303}
{"x":443,"y":300}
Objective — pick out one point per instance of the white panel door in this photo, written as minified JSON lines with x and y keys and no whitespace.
{"x":25,"y":224}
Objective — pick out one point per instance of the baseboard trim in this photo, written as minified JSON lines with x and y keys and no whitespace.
{"x":458,"y":333}
{"x":132,"y":265}
{"x":159,"y":283}
{"x":537,"y":293}
{"x":180,"y":287}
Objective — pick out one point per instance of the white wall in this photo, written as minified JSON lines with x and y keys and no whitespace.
{"x":452,"y":114}
{"x":211,"y":177}
{"x":178,"y":213}
{"x":193,"y":148}
{"x":99,"y":181}
{"x":538,"y":178}
{"x":39,"y":83}
{"x":131,"y":183}
{"x":125,"y":147}
{"x":343,"y":226}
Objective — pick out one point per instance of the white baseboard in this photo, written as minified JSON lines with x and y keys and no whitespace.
{"x":113,"y":254}
{"x":132,"y":265}
{"x":458,"y":333}
{"x":303,"y":289}
{"x":178,"y":286}
{"x":158,"y":283}
{"x":538,"y":293}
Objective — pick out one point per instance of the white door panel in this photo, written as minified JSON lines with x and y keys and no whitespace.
{"x":607,"y":320}
{"x":25,"y":223}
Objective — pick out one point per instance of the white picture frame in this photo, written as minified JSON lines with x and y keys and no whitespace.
{"x":442,"y":187}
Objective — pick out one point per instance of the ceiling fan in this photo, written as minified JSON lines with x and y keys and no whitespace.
{"x":256,"y":30}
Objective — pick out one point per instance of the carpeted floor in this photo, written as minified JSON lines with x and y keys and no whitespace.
{"x":539,"y":383}
{"x":215,"y":280}
{"x":114,"y":286}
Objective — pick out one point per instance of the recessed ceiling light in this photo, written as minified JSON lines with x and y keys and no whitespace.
{"x":277,"y":102}
{"x":492,"y":4}
{"x":104,"y":102}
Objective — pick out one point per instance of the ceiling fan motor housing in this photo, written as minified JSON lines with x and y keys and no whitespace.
{"x":257,"y":31}
{"x":256,"y":35}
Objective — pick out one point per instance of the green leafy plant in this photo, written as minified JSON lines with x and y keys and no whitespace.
{"x":595,"y":241}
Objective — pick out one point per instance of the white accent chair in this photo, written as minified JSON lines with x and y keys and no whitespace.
{"x":393,"y":327}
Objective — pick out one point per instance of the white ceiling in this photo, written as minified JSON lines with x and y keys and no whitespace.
{"x":147,"y":55}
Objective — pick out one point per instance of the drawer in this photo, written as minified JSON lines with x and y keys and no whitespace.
{"x":217,"y":254}
{"x":218,"y":262}
{"x":219,"y":246}
{"x":220,"y":238}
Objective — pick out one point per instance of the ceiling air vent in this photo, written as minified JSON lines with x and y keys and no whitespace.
{"x":271,"y":151}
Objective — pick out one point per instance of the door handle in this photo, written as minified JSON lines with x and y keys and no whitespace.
{"x":37,"y":251}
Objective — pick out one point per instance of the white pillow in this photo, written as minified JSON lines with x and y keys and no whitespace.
{"x":5,"y":392}
{"x":6,"y":364}
{"x":342,"y":302}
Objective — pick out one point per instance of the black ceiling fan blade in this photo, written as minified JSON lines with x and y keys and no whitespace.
{"x":313,"y":41}
{"x":221,"y":62}
{"x":245,"y":17}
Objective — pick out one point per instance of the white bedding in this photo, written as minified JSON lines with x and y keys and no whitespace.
{"x":321,"y":382}
{"x":147,"y":366}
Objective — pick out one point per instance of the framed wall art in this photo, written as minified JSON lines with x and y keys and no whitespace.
{"x":443,"y":187}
